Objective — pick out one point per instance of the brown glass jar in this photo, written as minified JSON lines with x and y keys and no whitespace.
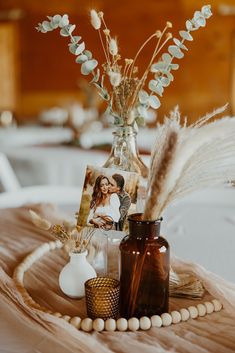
{"x":145,"y":266}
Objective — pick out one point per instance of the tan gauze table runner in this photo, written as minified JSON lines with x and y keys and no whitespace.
{"x":25,"y":328}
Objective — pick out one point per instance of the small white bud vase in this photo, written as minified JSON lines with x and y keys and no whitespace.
{"x":74,"y":274}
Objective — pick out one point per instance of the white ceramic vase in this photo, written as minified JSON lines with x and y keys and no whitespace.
{"x":74,"y":274}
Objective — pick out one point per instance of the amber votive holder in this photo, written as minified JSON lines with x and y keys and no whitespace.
{"x":102,"y":297}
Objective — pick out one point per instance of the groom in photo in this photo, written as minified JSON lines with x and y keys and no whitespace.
{"x":117,"y":183}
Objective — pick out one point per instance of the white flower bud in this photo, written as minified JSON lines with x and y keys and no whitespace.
{"x":95,"y":19}
{"x":115,"y":78}
{"x":113,"y":48}
{"x":131,"y":117}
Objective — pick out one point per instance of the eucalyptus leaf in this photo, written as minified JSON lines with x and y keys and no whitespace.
{"x":80,"y":48}
{"x":165,"y":81}
{"x":47,"y":26}
{"x":179,"y":44}
{"x":118,"y":120}
{"x":73,"y":47}
{"x":156,"y":87}
{"x":154,"y":102}
{"x":168,"y":74}
{"x":159,"y":66}
{"x":167,"y":58}
{"x":186,"y":35}
{"x":71,"y":28}
{"x":96,"y":77}
{"x":97,"y":85}
{"x":206,"y":11}
{"x":64,"y":21}
{"x":140,"y":121}
{"x":88,"y":66}
{"x":175,"y":51}
{"x":88,"y":53}
{"x":55,"y":21}
{"x":174,"y":66}
{"x":64,"y":32}
{"x":104,"y":94}
{"x":200,"y":21}
{"x":142,"y":110}
{"x":189,"y":25}
{"x":76,"y":39}
{"x":81,"y":59}
{"x":143,"y":97}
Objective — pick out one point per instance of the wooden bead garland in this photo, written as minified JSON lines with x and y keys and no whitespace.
{"x":87,"y":324}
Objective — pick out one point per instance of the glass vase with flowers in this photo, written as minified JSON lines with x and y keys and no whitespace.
{"x":128,"y":91}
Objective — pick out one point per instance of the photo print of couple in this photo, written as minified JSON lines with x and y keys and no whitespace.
{"x":108,"y":197}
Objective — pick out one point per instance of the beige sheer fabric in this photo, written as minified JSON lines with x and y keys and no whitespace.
{"x":23,"y":329}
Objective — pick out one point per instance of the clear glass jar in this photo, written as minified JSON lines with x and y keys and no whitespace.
{"x":144,"y":269}
{"x":124,"y":154}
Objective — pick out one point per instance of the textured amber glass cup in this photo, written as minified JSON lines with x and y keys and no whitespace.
{"x":102,"y":297}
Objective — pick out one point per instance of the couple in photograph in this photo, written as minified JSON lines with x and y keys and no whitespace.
{"x":110,"y":202}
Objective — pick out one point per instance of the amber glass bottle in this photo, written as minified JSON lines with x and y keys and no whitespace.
{"x":145,"y":266}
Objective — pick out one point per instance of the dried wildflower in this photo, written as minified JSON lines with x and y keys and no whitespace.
{"x":161,"y":66}
{"x":158,"y":34}
{"x":128,"y":61}
{"x":169,"y":24}
{"x":169,"y":35}
{"x":95,"y":19}
{"x":39,"y":222}
{"x":115,"y":78}
{"x":113,"y":47}
{"x":106,"y":32}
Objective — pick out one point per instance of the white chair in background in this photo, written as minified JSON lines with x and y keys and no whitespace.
{"x":68,"y":197}
{"x":8,"y":179}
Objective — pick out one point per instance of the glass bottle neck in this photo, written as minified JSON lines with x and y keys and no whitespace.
{"x":124,"y":154}
{"x":124,"y":140}
{"x":139,"y":228}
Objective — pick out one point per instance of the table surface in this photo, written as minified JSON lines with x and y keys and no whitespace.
{"x":25,"y":330}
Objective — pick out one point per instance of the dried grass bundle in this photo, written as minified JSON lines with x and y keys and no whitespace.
{"x":184,"y":159}
{"x":187,"y":158}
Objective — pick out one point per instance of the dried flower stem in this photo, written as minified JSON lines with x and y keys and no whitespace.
{"x":140,"y":50}
{"x":104,"y":50}
{"x":151,"y":211}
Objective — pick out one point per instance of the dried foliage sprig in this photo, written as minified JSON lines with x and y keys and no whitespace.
{"x":75,"y":239}
{"x":198,"y":156}
{"x":128,"y":94}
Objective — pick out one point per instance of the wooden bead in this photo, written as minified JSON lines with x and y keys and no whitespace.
{"x":52,"y":245}
{"x":209,"y":307}
{"x":133,"y":324}
{"x":58,"y":244}
{"x":193,"y":312}
{"x":176,"y":317}
{"x":145,"y":323}
{"x":201,"y":310}
{"x":45,"y":247}
{"x":184,"y":314}
{"x":156,"y":321}
{"x":166,"y":319}
{"x":57,"y":314}
{"x":87,"y":324}
{"x":217,"y":304}
{"x":66,"y":317}
{"x":110,"y":325}
{"x":98,"y":324}
{"x":76,"y":322}
{"x":122,"y":324}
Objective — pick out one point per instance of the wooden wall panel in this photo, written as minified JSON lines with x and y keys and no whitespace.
{"x":8,"y":67}
{"x":49,"y":74}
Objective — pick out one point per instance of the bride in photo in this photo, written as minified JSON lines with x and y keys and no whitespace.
{"x":104,"y":207}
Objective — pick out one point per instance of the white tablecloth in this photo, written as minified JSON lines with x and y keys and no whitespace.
{"x":52,"y":165}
